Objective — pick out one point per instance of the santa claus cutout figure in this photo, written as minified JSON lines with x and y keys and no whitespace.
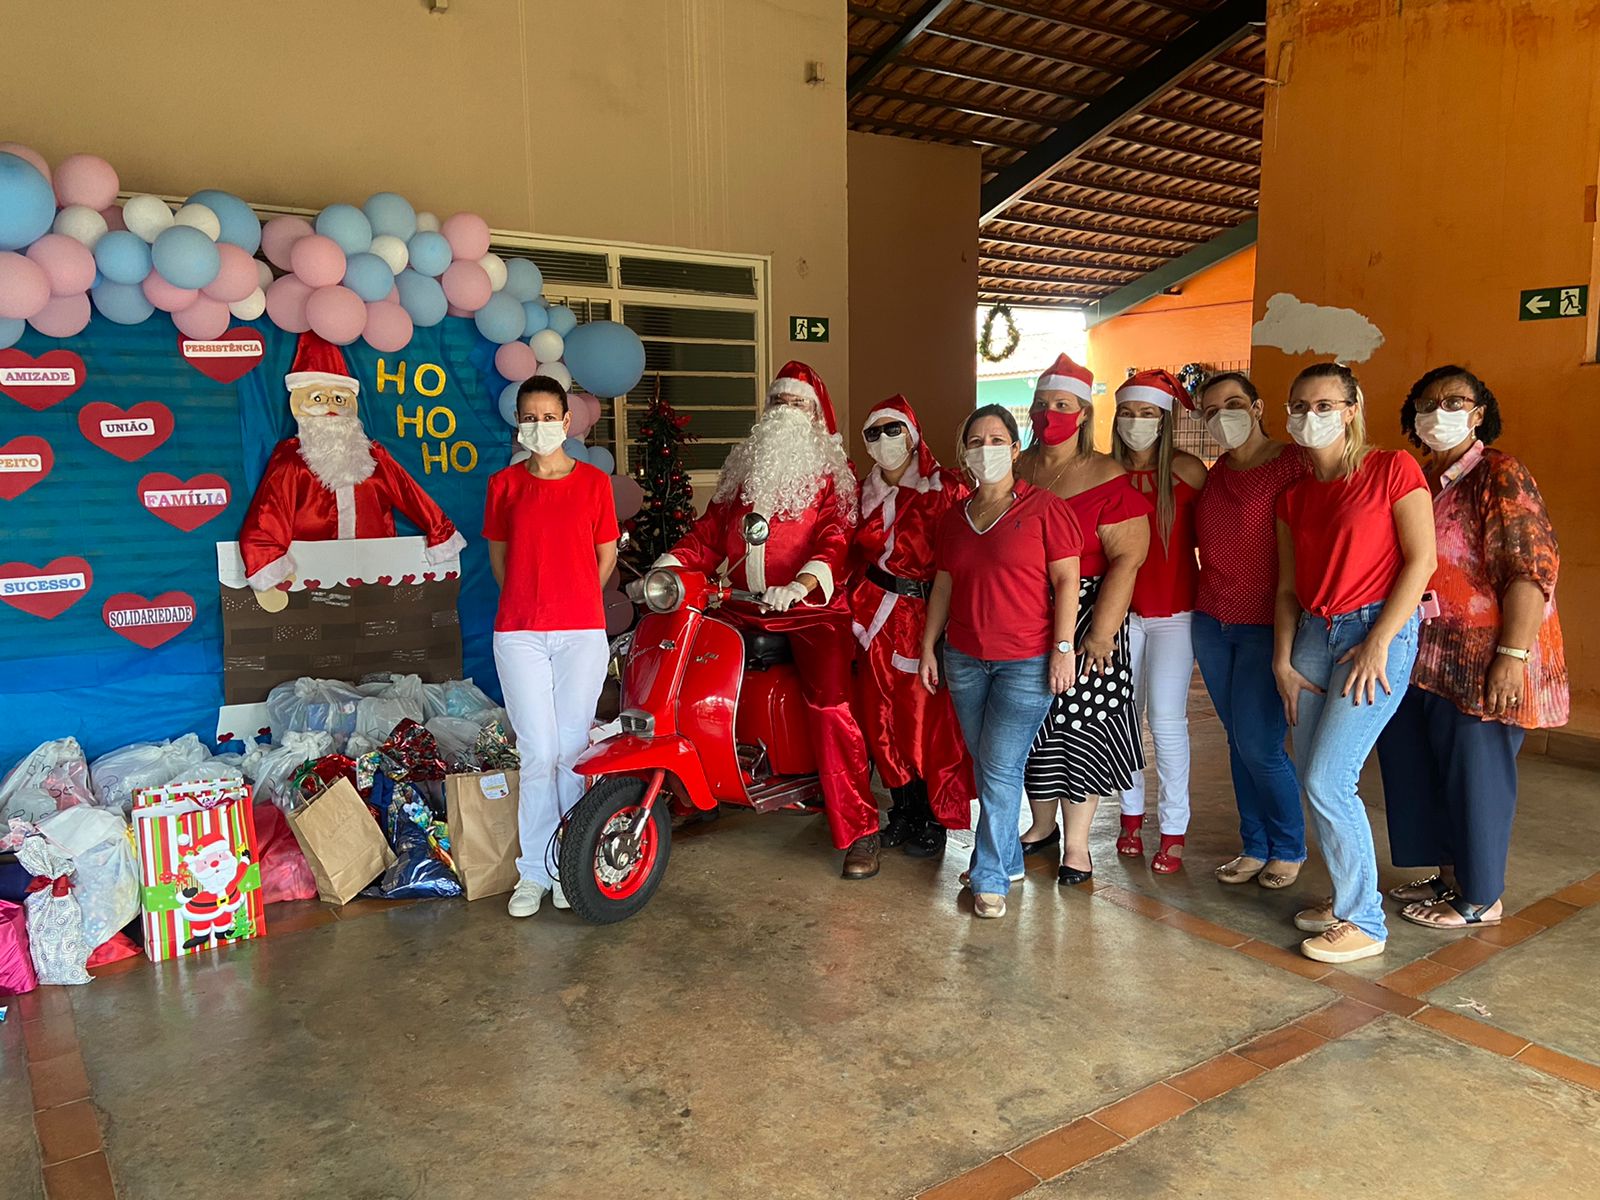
{"x":330,"y":482}
{"x":212,"y":900}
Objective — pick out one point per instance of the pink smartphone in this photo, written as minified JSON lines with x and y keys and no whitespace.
{"x":1430,"y":605}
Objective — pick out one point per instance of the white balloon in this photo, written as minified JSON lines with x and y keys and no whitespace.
{"x":81,"y":224}
{"x":427,"y":222}
{"x":251,"y":307}
{"x":392,"y":250}
{"x":263,"y":275}
{"x":147,"y":216}
{"x":201,"y":217}
{"x":495,"y":268}
{"x":547,"y":345}
{"x":554,"y":370}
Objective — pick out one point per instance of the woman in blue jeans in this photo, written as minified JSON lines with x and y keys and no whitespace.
{"x":1006,"y":598}
{"x":1356,"y":550}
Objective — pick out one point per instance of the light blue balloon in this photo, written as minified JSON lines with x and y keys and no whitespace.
{"x":563,"y":320}
{"x":10,"y":331}
{"x":536,"y":317}
{"x":124,"y":303}
{"x":576,"y":449}
{"x":122,"y":257}
{"x":422,"y":298}
{"x":430,"y":253}
{"x":606,"y":359}
{"x":602,"y":459}
{"x":390,"y":213}
{"x":27,"y":203}
{"x":508,"y":404}
{"x":524,"y":280}
{"x":348,"y":226}
{"x":368,"y":276}
{"x":185,"y":257}
{"x":501,"y":319}
{"x":240,"y":226}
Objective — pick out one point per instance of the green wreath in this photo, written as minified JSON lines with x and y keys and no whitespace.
{"x":986,"y":338}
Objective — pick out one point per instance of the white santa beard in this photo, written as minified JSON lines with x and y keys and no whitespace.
{"x":337,"y":450}
{"x":779,"y":469}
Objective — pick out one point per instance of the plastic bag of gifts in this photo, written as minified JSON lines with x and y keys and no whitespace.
{"x":421,"y":841}
{"x":105,"y":877}
{"x":55,"y":921}
{"x":54,"y":776}
{"x":199,"y":868}
{"x":120,"y":773}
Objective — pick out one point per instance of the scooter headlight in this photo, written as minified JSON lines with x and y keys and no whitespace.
{"x":663,"y":591}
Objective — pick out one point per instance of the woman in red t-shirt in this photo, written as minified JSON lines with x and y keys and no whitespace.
{"x":1355,"y":551}
{"x":1144,"y":441}
{"x":551,"y":525}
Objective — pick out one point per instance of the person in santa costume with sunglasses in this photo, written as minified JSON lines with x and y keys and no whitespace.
{"x":913,"y":736}
{"x":793,"y":470}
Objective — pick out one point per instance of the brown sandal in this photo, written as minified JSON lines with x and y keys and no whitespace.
{"x":1450,"y":912}
{"x":1276,"y":875}
{"x":1241,"y":870}
{"x":1422,"y":891}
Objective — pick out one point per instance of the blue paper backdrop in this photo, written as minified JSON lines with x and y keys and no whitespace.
{"x":73,"y":675}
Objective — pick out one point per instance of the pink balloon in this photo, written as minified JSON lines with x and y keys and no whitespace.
{"x":204,"y":319}
{"x":337,"y":314}
{"x":165,"y":296}
{"x":113,"y":216}
{"x":592,"y":405}
{"x":619,"y":613}
{"x":452,"y":310}
{"x":68,"y":263}
{"x":468,"y":235}
{"x":286,"y":303}
{"x":516,"y":362}
{"x":24,"y":286}
{"x":582,"y":419}
{"x":27,"y":154}
{"x":388,"y":326}
{"x":87,"y":179}
{"x":63,"y":317}
{"x":629,"y":496}
{"x":237,"y":276}
{"x":466,"y":285}
{"x":279,"y":235}
{"x":317,"y":260}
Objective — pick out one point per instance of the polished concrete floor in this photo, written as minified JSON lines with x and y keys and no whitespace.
{"x":766,"y":1030}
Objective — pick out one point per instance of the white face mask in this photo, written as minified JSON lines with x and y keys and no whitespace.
{"x":890,"y":453}
{"x":988,"y":464}
{"x":1441,"y":430}
{"x":541,"y":437}
{"x":1230,"y":427}
{"x":1139,"y":433}
{"x":1314,"y":430}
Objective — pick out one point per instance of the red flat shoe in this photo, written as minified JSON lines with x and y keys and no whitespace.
{"x":1131,"y":844}
{"x":1164,"y":863}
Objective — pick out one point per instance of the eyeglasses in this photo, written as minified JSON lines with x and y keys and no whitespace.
{"x":1299,"y":408}
{"x":1451,"y":403}
{"x":888,"y":429}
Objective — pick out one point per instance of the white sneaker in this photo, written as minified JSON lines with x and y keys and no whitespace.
{"x":526,"y":899}
{"x":558,"y":897}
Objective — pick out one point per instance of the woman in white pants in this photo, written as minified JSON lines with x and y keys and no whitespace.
{"x":551,"y":525}
{"x":1163,"y":603}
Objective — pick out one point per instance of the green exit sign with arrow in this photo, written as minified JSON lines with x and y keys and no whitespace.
{"x":808,"y":329}
{"x":1544,"y":304}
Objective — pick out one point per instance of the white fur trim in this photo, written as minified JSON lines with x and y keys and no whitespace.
{"x":300,"y":379}
{"x":345,"y":501}
{"x":1143,"y":393}
{"x":1062,"y":383}
{"x":824,"y":575}
{"x":880,"y":618}
{"x":271,"y":575}
{"x":892,"y":414}
{"x":794,"y":387}
{"x":450,"y":548}
{"x":901,"y":663}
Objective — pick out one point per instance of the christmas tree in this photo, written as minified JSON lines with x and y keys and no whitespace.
{"x":668,"y":499}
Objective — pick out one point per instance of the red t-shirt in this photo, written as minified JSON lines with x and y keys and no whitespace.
{"x":551,"y":528}
{"x":1109,"y":503}
{"x":1165,"y":584}
{"x":1001,"y":607}
{"x":1237,"y":534}
{"x":1346,"y":545}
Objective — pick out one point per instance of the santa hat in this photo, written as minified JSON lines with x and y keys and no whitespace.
{"x":898,"y":408}
{"x":194,"y":848}
{"x":1065,"y":375}
{"x":797,"y":379}
{"x":319,"y":363}
{"x":1160,"y":388}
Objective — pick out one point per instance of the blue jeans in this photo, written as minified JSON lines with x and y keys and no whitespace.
{"x":1332,"y":741}
{"x":1236,"y":663}
{"x":1000,"y":705}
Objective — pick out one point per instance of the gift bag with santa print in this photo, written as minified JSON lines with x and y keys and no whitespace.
{"x":199,"y":868}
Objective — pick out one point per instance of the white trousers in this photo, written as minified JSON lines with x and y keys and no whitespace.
{"x":552,"y":684}
{"x":1162,"y":655}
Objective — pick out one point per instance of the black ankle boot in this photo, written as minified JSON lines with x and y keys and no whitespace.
{"x":927,"y":836}
{"x":902,"y":821}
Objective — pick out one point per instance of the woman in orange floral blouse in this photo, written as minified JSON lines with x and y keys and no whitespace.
{"x":1489,"y":665}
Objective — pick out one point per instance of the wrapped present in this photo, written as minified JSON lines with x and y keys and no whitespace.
{"x":422,"y":866}
{"x":493,"y":750}
{"x":312,"y":778}
{"x":413,"y":750}
{"x":199,"y":868}
{"x":16,"y":963}
{"x":55,"y":922}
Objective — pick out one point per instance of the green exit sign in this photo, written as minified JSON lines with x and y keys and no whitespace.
{"x":808,"y":329}
{"x":1545,"y":304}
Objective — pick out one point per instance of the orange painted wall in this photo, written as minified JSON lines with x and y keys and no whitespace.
{"x":1422,"y":164}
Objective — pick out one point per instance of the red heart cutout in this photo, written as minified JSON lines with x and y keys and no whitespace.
{"x":427,"y":576}
{"x":24,"y":461}
{"x":46,"y":591}
{"x":37,"y":383}
{"x":408,"y":579}
{"x":131,"y":433}
{"x":148,"y":623}
{"x":385,"y":580}
{"x":311,"y":585}
{"x":354,"y":582}
{"x":225,"y":359}
{"x":224,"y":737}
{"x":183,"y":505}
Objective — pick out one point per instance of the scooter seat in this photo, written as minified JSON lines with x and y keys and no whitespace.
{"x":764,"y":650}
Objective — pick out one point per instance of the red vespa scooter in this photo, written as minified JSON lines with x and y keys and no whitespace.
{"x":710,"y":715}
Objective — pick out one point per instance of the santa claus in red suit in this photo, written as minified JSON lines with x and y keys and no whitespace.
{"x":212,"y":900}
{"x":331,"y":481}
{"x":913,"y":737}
{"x":793,"y":470}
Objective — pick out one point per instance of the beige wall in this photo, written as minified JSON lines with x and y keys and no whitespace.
{"x":674,"y":122}
{"x":913,"y":281}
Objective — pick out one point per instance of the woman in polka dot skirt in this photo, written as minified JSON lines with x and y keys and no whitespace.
{"x":1088,"y":746}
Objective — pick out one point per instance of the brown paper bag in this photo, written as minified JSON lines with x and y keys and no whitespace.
{"x":343,"y":845}
{"x":482,"y":812}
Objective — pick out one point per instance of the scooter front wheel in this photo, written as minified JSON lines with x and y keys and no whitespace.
{"x":611,"y":864}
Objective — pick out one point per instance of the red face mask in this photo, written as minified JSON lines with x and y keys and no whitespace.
{"x":1053,"y":428}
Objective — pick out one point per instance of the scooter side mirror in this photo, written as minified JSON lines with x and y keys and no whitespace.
{"x":755,"y":529}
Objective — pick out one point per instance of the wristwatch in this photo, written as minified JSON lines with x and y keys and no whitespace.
{"x":1063,"y":647}
{"x":1512,"y":652}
